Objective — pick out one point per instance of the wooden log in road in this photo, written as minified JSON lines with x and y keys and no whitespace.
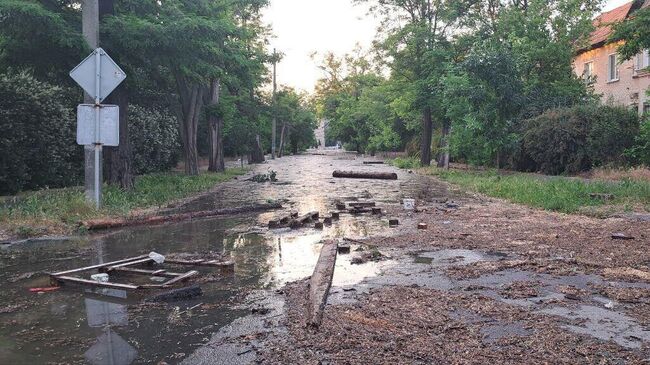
{"x":365,"y":175}
{"x":96,"y":224}
{"x":320,"y":283}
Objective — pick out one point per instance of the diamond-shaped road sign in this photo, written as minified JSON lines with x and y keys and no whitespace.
{"x":110,"y":74}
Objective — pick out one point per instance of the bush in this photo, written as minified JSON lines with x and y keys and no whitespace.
{"x":37,"y":135}
{"x":639,"y":153}
{"x":570,"y":140}
{"x":154,"y":139}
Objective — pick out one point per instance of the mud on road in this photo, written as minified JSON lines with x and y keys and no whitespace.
{"x":486,"y":281}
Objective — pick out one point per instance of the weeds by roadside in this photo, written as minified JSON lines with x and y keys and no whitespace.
{"x":405,"y":162}
{"x":58,"y":211}
{"x":562,"y":194}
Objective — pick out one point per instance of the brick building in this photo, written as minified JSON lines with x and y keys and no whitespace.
{"x":619,"y":83}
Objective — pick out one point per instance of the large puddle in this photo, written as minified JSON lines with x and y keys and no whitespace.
{"x":77,"y":325}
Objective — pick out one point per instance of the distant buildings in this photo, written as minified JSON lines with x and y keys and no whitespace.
{"x":320,"y":133}
{"x":624,"y":83}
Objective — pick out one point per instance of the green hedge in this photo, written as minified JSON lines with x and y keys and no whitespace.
{"x":570,"y":140}
{"x":37,"y":135}
{"x":154,"y":139}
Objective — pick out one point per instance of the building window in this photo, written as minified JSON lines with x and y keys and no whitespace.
{"x":588,"y":71}
{"x":641,"y":61}
{"x":612,"y":67}
{"x":646,"y":109}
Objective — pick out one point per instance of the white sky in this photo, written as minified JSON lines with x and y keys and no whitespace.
{"x":302,"y":27}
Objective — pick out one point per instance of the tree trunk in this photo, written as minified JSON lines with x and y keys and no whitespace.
{"x":443,"y":159}
{"x":282,"y":137}
{"x":215,"y":131}
{"x":425,"y":144}
{"x":117,"y":167}
{"x":257,"y":155}
{"x":191,"y":100}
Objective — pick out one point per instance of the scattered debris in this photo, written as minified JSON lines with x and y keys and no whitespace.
{"x":627,"y":272}
{"x":601,"y":196}
{"x":376,"y":210}
{"x":370,"y":255}
{"x":318,"y":225}
{"x":422,"y":226}
{"x":365,"y":175}
{"x":283,"y":220}
{"x":373,"y":162}
{"x":41,"y":290}
{"x":177,"y":294}
{"x":260,"y":178}
{"x":303,"y":219}
{"x":393,"y":222}
{"x":343,"y":248}
{"x":621,"y":236}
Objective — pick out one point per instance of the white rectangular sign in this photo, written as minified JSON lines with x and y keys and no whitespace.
{"x":109,"y":124}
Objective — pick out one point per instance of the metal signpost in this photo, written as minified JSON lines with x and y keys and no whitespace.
{"x":98,"y":124}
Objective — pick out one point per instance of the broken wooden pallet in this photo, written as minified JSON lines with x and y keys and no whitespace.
{"x":125,"y":266}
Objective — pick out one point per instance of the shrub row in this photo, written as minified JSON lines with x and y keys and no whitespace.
{"x":38,"y":129}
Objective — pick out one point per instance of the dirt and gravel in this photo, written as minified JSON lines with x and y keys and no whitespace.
{"x":583,"y":297}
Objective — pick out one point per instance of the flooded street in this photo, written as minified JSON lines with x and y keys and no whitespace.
{"x":486,"y":279}
{"x":107,"y":326}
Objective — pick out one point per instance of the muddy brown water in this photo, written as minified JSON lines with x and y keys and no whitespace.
{"x":79,"y":325}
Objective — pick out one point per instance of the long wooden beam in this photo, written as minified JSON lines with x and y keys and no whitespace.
{"x":94,"y":282}
{"x":129,"y":270}
{"x":93,"y":267}
{"x":320,"y":283}
{"x":185,"y":276}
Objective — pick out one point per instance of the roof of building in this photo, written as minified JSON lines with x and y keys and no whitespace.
{"x":604,"y":21}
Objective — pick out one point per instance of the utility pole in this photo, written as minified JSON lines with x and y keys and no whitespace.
{"x":273,"y":124}
{"x":92,"y":153}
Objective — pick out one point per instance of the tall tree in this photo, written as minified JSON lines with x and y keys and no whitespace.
{"x":416,"y":43}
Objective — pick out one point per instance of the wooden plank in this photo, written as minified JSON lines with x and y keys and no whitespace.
{"x":320,"y":283}
{"x":94,"y":283}
{"x":185,"y":276}
{"x":128,"y":270}
{"x":130,"y":263}
{"x":362,"y":204}
{"x":93,"y":267}
{"x":305,"y":218}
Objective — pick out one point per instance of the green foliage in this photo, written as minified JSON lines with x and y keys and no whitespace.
{"x":575,"y":139}
{"x":293,"y":111}
{"x":37,"y":135}
{"x":405,"y":162}
{"x":635,"y":32}
{"x":154,"y":139}
{"x":567,"y":195}
{"x":41,"y":36}
{"x":640,"y":151}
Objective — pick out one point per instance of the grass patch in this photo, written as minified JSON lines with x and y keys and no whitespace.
{"x":561,"y":194}
{"x":58,"y":211}
{"x":405,"y":162}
